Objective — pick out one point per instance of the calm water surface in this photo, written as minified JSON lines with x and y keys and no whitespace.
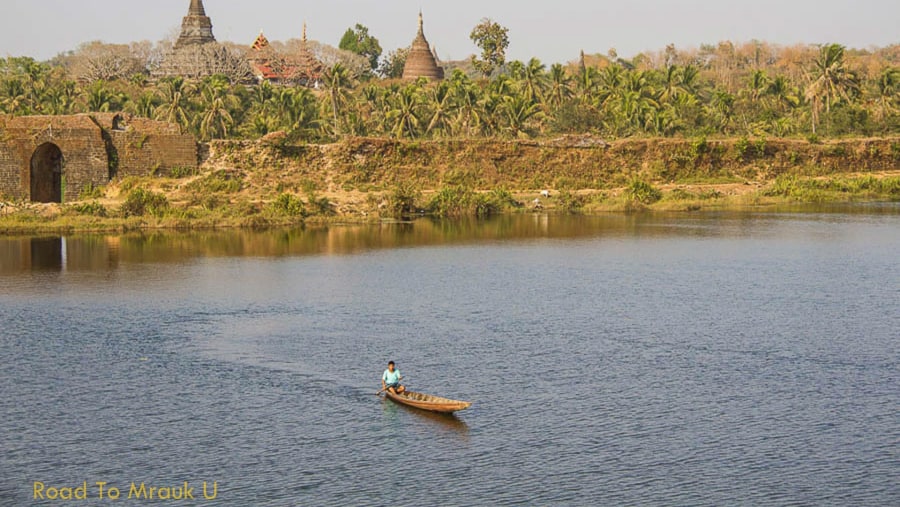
{"x":708,"y":359}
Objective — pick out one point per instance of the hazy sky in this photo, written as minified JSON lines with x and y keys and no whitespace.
{"x":552,"y":30}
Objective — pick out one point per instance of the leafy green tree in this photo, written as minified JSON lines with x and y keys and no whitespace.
{"x":493,"y":40}
{"x":392,"y":64}
{"x":358,"y":40}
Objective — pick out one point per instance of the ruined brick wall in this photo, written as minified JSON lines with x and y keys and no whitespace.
{"x":142,"y":147}
{"x":141,"y":153}
{"x":9,"y":168}
{"x":85,"y":160}
{"x":95,"y":148}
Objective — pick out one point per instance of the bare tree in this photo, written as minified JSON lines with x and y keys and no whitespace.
{"x":94,"y":61}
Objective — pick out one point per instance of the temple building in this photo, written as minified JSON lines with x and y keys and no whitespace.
{"x":421,"y":61}
{"x":265,"y":63}
{"x":309,"y":68}
{"x":302,"y":68}
{"x":196,"y":54}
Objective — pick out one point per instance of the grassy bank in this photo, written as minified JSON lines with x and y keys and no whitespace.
{"x":260,"y":184}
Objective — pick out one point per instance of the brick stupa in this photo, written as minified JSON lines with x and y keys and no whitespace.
{"x":196,"y":27}
{"x":196,"y":54}
{"x":421,"y":62}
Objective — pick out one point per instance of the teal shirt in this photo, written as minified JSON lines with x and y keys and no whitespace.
{"x":391,"y":378}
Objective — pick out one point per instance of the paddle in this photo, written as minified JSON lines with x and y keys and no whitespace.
{"x":385,"y":389}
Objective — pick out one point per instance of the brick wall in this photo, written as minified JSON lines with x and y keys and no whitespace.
{"x":77,"y":137}
{"x":94,"y":148}
{"x":140,"y":153}
{"x":10,"y":186}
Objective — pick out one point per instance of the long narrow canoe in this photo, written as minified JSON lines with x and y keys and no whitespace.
{"x":428,"y":402}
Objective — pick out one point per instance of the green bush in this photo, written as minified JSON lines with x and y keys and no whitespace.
{"x":402,"y":199}
{"x":569,"y":202}
{"x":740,"y":147}
{"x":320,"y":205}
{"x":639,"y":191}
{"x":452,"y":201}
{"x":218,"y":181}
{"x":287,"y":205}
{"x":140,"y":202}
{"x":92,"y":208}
{"x":182,"y":172}
{"x":504,"y":199}
{"x":699,"y":147}
{"x":91,"y":191}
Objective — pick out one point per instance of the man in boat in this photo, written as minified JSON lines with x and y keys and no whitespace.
{"x":390,"y":380}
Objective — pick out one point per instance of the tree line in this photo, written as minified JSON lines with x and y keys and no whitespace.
{"x":753,"y":89}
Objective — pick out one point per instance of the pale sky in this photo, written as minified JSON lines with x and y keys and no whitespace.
{"x":552,"y":30}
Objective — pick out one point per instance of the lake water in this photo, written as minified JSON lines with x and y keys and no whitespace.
{"x":657,"y":359}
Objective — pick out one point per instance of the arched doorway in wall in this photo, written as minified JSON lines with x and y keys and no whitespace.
{"x":47,"y":181}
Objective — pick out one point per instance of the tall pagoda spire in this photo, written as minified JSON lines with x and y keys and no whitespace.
{"x":421,"y":62}
{"x":196,"y":8}
{"x":196,"y":27}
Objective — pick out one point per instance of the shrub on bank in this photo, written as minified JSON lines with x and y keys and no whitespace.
{"x":455,"y":201}
{"x":641,"y":192}
{"x":288,"y":205}
{"x":140,"y":202}
{"x":403,"y":198}
{"x":92,"y":208}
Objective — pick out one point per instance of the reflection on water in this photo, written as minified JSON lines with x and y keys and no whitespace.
{"x":93,"y":252}
{"x":46,"y":254}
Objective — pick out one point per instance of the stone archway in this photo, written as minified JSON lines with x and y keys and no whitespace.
{"x":47,"y":179}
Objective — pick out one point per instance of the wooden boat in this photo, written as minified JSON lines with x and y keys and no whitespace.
{"x":428,"y":402}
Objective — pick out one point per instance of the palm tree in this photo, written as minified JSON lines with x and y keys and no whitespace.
{"x":60,"y":98}
{"x":100,"y":98}
{"x":439,"y":100}
{"x":338,"y":83}
{"x":466,"y":97}
{"x":488,"y":112}
{"x":758,"y":86}
{"x":831,"y":81}
{"x":404,"y":116}
{"x":784,"y":93}
{"x":690,"y":79}
{"x":144,"y":104}
{"x":609,"y":82}
{"x":559,"y":87}
{"x":887,"y":89}
{"x":13,"y":99}
{"x":586,"y":84}
{"x":216,"y":102}
{"x":518,"y":110}
{"x":302,"y":111}
{"x":175,"y":102}
{"x":534,"y":80}
{"x":670,"y":84}
{"x":720,"y":109}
